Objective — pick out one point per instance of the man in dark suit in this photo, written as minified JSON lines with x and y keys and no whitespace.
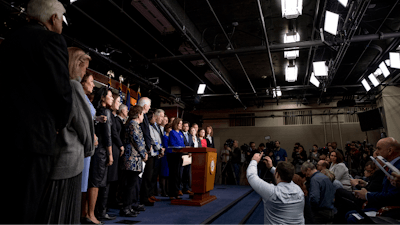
{"x":36,"y":56}
{"x":146,"y":187}
{"x":186,"y":171}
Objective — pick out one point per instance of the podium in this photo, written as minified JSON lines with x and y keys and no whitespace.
{"x":204,"y":165}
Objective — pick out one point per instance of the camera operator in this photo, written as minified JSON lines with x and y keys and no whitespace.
{"x":236,"y":160}
{"x":279,"y":153}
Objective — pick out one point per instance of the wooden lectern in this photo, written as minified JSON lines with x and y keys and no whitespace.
{"x":204,"y":166}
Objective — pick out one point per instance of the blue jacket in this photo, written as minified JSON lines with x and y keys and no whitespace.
{"x":176,"y":140}
{"x":322,"y":192}
{"x":389,"y":196}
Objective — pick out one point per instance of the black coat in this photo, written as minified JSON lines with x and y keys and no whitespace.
{"x":34,"y":68}
{"x":146,"y":132}
{"x":116,"y":129}
{"x":209,"y":144}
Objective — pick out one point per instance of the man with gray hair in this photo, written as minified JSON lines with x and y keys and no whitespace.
{"x":35,"y":54}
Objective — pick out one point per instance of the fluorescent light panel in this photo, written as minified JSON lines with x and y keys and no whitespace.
{"x":331,"y":22}
{"x":394,"y":59}
{"x":314,"y":80}
{"x":201,"y":89}
{"x":373,"y":80}
{"x":344,"y":2}
{"x":291,"y":8}
{"x":290,"y":38}
{"x":291,"y":73}
{"x":384,"y":69}
{"x":320,"y":69}
{"x":366,"y":85}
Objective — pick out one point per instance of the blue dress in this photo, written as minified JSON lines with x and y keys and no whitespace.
{"x":86,"y":161}
{"x":164,"y":161}
{"x":176,"y":139}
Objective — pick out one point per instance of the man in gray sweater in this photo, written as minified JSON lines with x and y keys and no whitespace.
{"x":284,"y":202}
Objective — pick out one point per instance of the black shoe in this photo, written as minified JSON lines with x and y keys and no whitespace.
{"x":106,"y":217}
{"x":127,"y":213}
{"x":139,"y":208}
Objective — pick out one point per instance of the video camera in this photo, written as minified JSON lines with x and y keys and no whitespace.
{"x":270,"y":145}
{"x":229,"y":142}
{"x":245,"y":148}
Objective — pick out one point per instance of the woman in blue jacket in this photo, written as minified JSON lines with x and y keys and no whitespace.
{"x":175,"y":141}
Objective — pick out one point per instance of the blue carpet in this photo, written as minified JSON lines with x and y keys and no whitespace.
{"x":165,"y":213}
{"x":258,"y":216}
{"x":239,"y":211}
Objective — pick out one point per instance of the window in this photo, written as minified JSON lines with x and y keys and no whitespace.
{"x":297,"y":117}
{"x":240,"y":120}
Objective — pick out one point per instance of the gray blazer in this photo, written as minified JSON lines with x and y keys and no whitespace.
{"x":76,"y":140}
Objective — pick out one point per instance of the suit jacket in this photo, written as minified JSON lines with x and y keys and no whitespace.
{"x":210,"y":144}
{"x":146,"y":132}
{"x":37,"y":59}
{"x":189,"y":141}
{"x":76,"y":140}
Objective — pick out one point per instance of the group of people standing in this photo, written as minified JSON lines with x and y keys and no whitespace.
{"x":70,"y":157}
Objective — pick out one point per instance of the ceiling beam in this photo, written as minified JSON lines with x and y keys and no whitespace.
{"x":274,"y":48}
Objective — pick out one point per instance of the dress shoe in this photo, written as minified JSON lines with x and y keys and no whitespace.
{"x":155,"y":199}
{"x":188,"y":192}
{"x":127,"y":213}
{"x":139,"y":208}
{"x":106,"y":217}
{"x":151,"y":200}
{"x":180,"y":193}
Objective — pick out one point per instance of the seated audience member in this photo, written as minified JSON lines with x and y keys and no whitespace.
{"x":331,"y":176}
{"x":321,"y":194}
{"x":314,"y":155}
{"x":342,"y":197}
{"x":321,"y":165}
{"x":300,"y":179}
{"x":339,"y":169}
{"x":389,"y":196}
{"x":284,"y":202}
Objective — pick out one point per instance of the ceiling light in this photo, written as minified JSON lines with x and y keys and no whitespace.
{"x":387,"y":61}
{"x":65,"y":20}
{"x":276,"y":92}
{"x":320,"y":69}
{"x":201,"y":89}
{"x":291,"y":8}
{"x":343,"y":2}
{"x":72,"y":1}
{"x":378,"y":72}
{"x":394,"y":59}
{"x":291,"y":73}
{"x":290,"y":38}
{"x":366,"y":85}
{"x":314,"y":80}
{"x":373,"y":79}
{"x":331,"y":22}
{"x":384,"y":69}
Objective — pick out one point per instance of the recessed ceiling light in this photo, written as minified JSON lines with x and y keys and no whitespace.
{"x":314,"y":80}
{"x":291,"y":73}
{"x":291,"y":8}
{"x":201,"y":89}
{"x":384,"y":69}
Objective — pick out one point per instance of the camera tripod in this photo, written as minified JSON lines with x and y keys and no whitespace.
{"x":224,"y":168}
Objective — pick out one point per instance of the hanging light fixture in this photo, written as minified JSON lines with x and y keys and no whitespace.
{"x":373,"y":80}
{"x":384,"y":69}
{"x":366,"y":85}
{"x":331,"y":22}
{"x":291,"y":8}
{"x":314,"y":80}
{"x":394,"y":59}
{"x":291,"y":73}
{"x":320,"y":68}
{"x":344,"y":2}
{"x":291,"y":37}
{"x":276,"y":92}
{"x":201,"y":89}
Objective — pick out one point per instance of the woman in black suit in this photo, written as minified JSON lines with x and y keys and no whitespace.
{"x":209,"y":137}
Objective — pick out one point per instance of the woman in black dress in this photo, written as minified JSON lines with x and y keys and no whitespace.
{"x":102,"y":157}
